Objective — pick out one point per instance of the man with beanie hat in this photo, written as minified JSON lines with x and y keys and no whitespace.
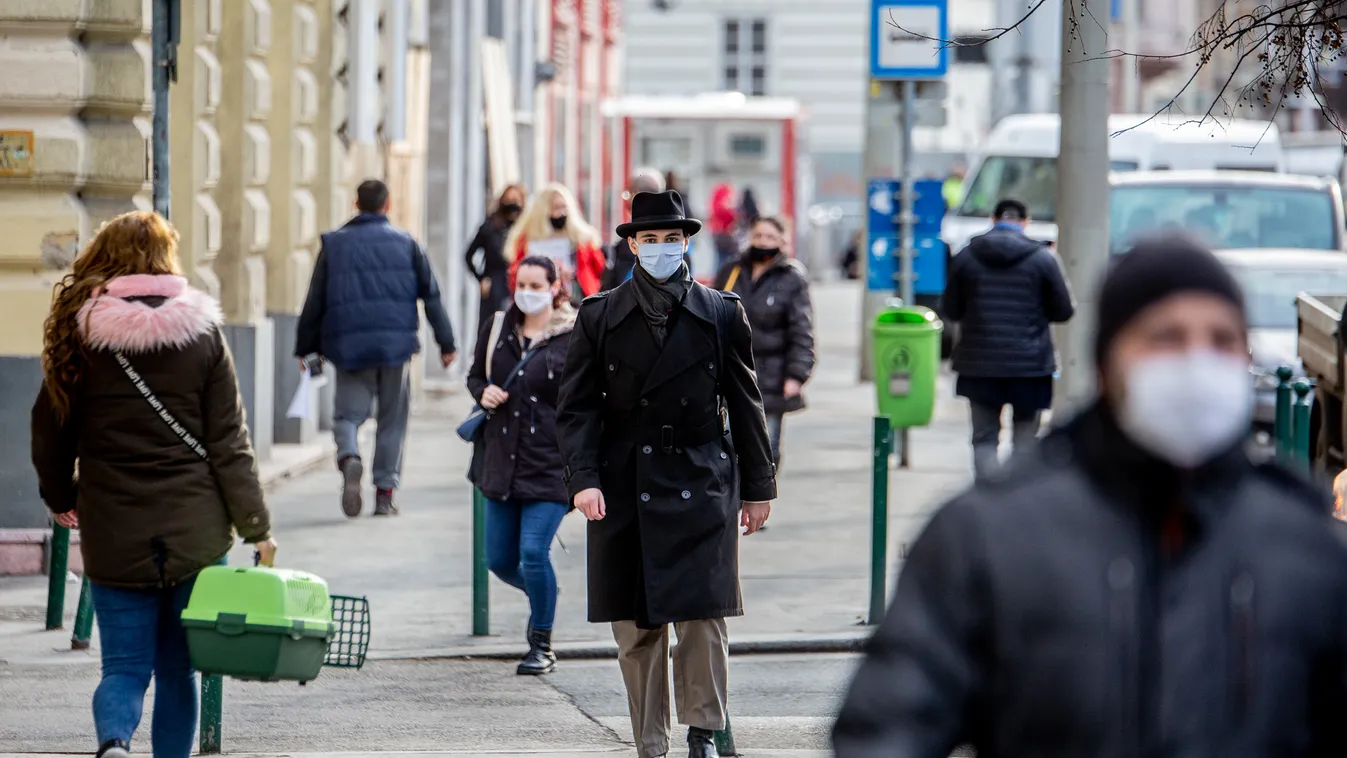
{"x":1005,"y":291}
{"x":1138,"y":587}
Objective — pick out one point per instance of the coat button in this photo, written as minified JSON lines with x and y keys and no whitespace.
{"x":611,"y":367}
{"x":684,"y":401}
{"x":711,"y":365}
{"x":723,"y":456}
{"x":516,"y":414}
{"x":533,"y":398}
{"x":255,"y":520}
{"x":687,"y":495}
{"x":645,"y":403}
{"x":645,"y":497}
{"x":521,"y":372}
{"x":647,"y":450}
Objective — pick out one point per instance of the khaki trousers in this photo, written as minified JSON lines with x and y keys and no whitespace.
{"x":701,"y":673}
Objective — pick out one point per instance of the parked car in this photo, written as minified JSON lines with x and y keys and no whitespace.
{"x":1272,"y":280}
{"x":1229,"y":209}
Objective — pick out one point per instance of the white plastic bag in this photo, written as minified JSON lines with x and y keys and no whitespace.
{"x":305,"y":402}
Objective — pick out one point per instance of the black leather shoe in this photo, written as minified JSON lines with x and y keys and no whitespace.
{"x":113,"y":749}
{"x":352,"y":470}
{"x":540,"y":658}
{"x":701,"y":743}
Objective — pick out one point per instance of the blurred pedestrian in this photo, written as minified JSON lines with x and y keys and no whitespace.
{"x":851,"y":257}
{"x":492,"y":274}
{"x":553,"y":225}
{"x":140,"y":442}
{"x":361,"y":315}
{"x":1139,"y":586}
{"x":952,"y":188}
{"x":521,"y":469}
{"x":775,"y":292}
{"x":621,"y":258}
{"x":1004,"y":291}
{"x":652,"y":367}
{"x":722,"y":224}
{"x":675,"y":182}
{"x":748,"y":209}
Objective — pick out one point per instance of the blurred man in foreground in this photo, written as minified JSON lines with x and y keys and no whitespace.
{"x":1136,"y":586}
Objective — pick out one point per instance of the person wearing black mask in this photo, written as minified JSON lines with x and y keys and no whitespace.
{"x":775,"y":292}
{"x":1135,"y":585}
{"x":491,"y":269}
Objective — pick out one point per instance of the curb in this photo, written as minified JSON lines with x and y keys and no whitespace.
{"x":846,"y":643}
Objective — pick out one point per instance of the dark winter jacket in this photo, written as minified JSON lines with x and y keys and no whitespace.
{"x":490,"y":239}
{"x":522,"y":460}
{"x":644,"y":424}
{"x":152,"y":512}
{"x":361,"y":310}
{"x":1004,"y":290}
{"x":1095,"y":602}
{"x":782,"y":318}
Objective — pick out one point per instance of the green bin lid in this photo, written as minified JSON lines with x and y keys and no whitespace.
{"x":912,"y":316}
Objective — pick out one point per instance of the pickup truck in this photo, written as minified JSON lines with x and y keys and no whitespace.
{"x":1320,"y":345}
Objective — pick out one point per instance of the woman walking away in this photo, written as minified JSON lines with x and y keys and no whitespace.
{"x":492,"y":272}
{"x":775,"y":294}
{"x":139,"y":394}
{"x":552,"y":226}
{"x":521,"y":475}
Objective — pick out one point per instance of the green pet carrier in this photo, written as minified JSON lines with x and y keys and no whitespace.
{"x":270,"y":625}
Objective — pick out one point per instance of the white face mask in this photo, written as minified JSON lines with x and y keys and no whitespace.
{"x":1187,"y":408}
{"x":660,"y":259}
{"x":532,"y":301}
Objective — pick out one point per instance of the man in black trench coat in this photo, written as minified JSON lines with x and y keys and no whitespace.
{"x":656,"y":369}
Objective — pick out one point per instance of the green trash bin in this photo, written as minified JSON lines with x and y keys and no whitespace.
{"x":259,"y":624}
{"x":907,"y":363}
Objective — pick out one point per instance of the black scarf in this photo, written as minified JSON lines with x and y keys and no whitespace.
{"x":658,"y":299}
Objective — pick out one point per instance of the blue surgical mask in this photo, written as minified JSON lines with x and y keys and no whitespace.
{"x":660,"y":259}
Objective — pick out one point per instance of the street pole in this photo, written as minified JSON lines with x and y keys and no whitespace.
{"x":1131,"y":29}
{"x":1082,"y":189}
{"x":907,"y":213}
{"x":164,"y":43}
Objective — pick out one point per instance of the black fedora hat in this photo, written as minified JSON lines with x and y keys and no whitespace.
{"x":658,"y":210}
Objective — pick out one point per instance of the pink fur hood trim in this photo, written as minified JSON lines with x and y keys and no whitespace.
{"x":109,"y":321}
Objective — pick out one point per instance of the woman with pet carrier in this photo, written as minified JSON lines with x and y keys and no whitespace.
{"x":139,"y":396}
{"x":515,"y":376}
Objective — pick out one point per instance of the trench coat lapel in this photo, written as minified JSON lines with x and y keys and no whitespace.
{"x":687,"y":343}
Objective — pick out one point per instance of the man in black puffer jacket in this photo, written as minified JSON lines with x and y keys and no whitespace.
{"x":1135,"y":587}
{"x":1005,"y":290}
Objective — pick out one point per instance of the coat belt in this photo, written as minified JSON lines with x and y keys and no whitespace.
{"x":668,"y":437}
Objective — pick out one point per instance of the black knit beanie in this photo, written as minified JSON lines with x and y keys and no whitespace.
{"x":1155,"y":267}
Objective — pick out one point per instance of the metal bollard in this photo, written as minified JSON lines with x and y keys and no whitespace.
{"x":84,"y":618}
{"x":1300,"y":424}
{"x":481,"y":604}
{"x":1282,"y":425}
{"x":56,"y":571}
{"x":725,"y":739}
{"x":212,"y":714}
{"x":879,"y":509}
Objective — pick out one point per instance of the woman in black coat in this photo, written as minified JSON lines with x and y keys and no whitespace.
{"x":491,"y":272}
{"x":521,"y":466}
{"x":775,"y":294}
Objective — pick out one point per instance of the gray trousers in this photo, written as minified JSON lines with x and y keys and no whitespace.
{"x":987,"y":435}
{"x":701,"y":675}
{"x":357,"y":394}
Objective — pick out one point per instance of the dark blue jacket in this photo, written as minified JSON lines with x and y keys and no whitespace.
{"x":1004,"y":290}
{"x":361,"y":310}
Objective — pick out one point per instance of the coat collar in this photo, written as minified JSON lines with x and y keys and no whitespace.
{"x":143,"y":313}
{"x":363,"y":219}
{"x":701,"y":302}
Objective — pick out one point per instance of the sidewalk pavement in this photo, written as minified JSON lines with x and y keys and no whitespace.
{"x":806,"y":579}
{"x":465,"y":754}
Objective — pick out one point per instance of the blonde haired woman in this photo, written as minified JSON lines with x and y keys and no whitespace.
{"x":139,"y":389}
{"x":552,"y":225}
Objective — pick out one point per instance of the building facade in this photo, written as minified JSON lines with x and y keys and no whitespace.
{"x":811,"y":51}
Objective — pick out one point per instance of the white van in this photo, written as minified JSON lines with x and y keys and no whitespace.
{"x":1019,"y":161}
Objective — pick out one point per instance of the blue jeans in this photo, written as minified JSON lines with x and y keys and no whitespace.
{"x":142,"y":636}
{"x":519,"y":551}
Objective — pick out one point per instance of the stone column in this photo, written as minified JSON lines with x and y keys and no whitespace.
{"x":293,"y":221}
{"x":193,"y":101}
{"x":74,"y":151}
{"x":246,"y":40}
